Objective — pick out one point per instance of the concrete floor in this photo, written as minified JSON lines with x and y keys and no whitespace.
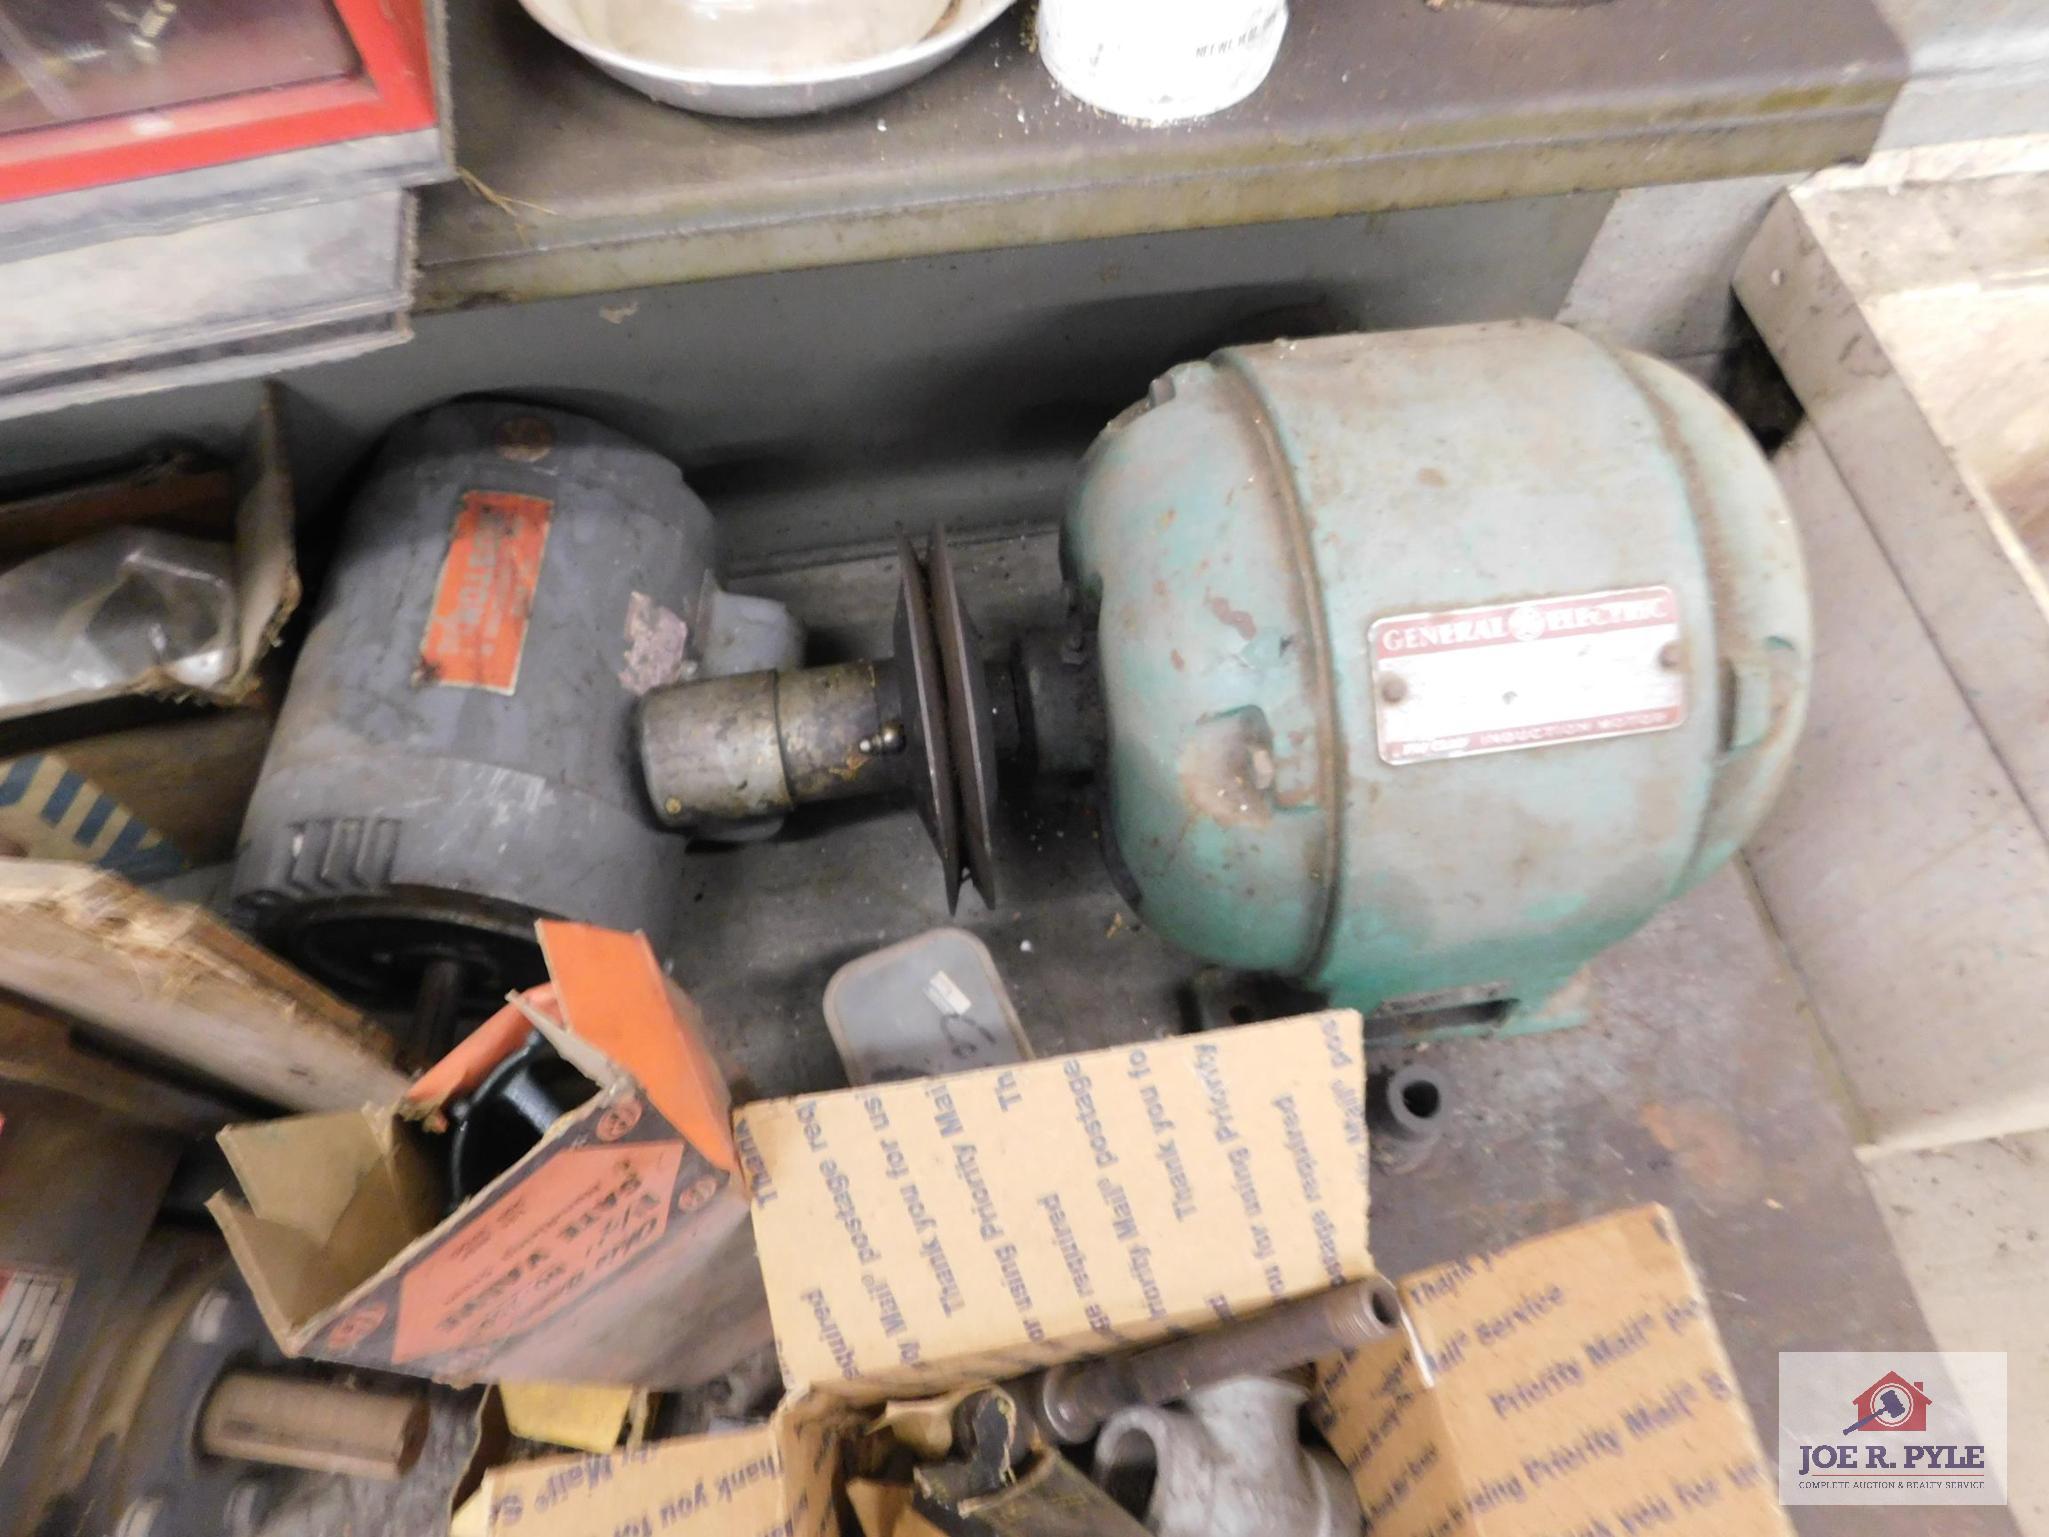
{"x":1972,"y":1226}
{"x":1970,"y":1219}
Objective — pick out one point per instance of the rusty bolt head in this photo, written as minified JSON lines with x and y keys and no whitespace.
{"x":1394,"y":689}
{"x":1668,"y":656}
{"x":524,"y":439}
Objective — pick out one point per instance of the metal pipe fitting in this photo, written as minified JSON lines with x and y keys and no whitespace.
{"x":1070,"y":1401}
{"x":1229,"y":1464}
{"x":1405,"y":1112}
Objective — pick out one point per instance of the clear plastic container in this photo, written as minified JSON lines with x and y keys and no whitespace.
{"x":758,"y":36}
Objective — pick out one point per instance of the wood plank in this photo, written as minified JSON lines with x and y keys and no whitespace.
{"x":40,"y":1049}
{"x":175,"y":981}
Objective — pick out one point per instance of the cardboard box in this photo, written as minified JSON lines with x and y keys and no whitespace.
{"x":919,"y":1235}
{"x":1572,"y":1386}
{"x":144,"y":802}
{"x":924,"y":1235}
{"x":617,"y":1251}
{"x":773,"y":1480}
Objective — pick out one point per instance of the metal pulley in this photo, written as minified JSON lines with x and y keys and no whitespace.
{"x":931,"y":720}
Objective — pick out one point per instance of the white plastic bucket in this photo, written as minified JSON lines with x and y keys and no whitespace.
{"x":1161,"y":61}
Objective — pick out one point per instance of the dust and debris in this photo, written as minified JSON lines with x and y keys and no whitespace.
{"x":1025,"y":945}
{"x":504,"y":203}
{"x":618,"y":314}
{"x":1707,"y":1146}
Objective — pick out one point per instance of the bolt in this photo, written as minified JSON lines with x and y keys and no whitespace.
{"x":140,"y":1519}
{"x":1668,"y":657}
{"x":673,"y":806}
{"x":208,"y":1324}
{"x":892,"y":737}
{"x":1394,"y":689}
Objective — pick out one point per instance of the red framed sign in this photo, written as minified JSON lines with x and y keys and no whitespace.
{"x":92,"y":94}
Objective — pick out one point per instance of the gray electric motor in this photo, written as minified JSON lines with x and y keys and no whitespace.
{"x":456,"y":755}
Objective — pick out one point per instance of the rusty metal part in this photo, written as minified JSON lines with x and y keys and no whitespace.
{"x":709,"y":752}
{"x":1071,"y":1401}
{"x":969,"y":718}
{"x":923,"y":694}
{"x":730,"y":750}
{"x":321,"y":1427}
{"x":831,"y":726}
{"x":1003,"y":1483}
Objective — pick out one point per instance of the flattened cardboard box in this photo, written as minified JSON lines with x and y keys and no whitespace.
{"x":617,"y":1251}
{"x":920,"y":1235}
{"x":1575,"y":1387}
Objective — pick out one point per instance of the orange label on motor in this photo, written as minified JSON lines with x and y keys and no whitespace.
{"x":478,"y":627}
{"x":579,"y":1217}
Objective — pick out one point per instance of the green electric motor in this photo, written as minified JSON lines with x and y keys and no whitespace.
{"x":1433,"y":663}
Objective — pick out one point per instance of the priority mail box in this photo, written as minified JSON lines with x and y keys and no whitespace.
{"x":1572,"y":1386}
{"x":616,"y":1251}
{"x":772,"y":1480}
{"x":920,"y":1235}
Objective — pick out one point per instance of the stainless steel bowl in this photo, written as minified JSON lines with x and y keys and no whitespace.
{"x":792,"y":93}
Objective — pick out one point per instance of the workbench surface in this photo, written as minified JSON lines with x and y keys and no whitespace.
{"x":1373,"y":105}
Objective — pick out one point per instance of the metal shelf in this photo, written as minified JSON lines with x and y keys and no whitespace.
{"x":1373,"y":105}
